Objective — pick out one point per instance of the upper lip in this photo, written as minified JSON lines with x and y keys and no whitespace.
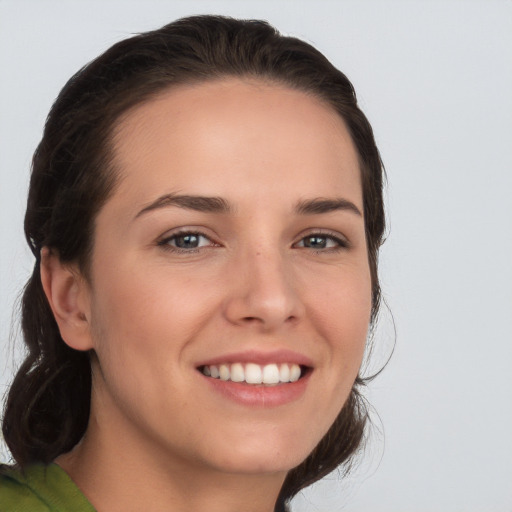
{"x":260,"y":357}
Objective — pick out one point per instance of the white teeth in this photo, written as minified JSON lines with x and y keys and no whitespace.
{"x":224,"y":372}
{"x":237,"y":372}
{"x":270,"y":374}
{"x":284,"y":373}
{"x":251,"y":373}
{"x":294,"y":373}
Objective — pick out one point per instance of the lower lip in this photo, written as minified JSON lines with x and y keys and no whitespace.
{"x":258,"y":395}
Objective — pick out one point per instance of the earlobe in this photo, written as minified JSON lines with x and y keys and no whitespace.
{"x":67,"y":294}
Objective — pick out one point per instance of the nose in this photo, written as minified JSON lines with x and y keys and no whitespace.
{"x":263,"y":292}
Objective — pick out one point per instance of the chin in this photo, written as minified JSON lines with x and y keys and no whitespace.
{"x":263,"y":457}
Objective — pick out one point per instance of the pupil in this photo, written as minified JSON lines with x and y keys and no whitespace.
{"x":316,"y":242}
{"x":187,"y":241}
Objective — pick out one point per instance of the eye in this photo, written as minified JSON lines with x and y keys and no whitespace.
{"x":322,"y":241}
{"x":186,"y":241}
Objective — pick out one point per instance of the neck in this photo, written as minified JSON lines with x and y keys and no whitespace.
{"x":118,"y":471}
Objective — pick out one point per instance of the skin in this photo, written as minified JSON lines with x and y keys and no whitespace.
{"x":160,"y":438}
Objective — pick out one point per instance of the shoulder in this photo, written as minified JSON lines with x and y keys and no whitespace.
{"x":40,"y":488}
{"x":15,"y":496}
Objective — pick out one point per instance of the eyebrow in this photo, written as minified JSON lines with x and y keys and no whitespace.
{"x":219,"y":205}
{"x":325,"y":205}
{"x":197,"y":203}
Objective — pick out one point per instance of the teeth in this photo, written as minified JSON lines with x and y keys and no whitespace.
{"x":251,"y":373}
{"x":271,"y":374}
{"x":224,"y":372}
{"x":284,"y":373}
{"x":237,"y":372}
{"x":294,"y":373}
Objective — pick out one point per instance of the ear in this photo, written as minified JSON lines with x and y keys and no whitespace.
{"x":68,"y":295}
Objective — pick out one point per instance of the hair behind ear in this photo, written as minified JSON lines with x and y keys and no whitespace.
{"x":47,"y":408}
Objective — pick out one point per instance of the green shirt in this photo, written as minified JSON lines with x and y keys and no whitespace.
{"x":40,"y":489}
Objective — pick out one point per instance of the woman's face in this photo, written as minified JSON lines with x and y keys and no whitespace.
{"x":234,"y":244}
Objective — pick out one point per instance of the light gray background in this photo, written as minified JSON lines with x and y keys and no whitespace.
{"x":435,"y":79}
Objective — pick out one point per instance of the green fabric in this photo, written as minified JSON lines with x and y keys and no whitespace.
{"x":40,"y":489}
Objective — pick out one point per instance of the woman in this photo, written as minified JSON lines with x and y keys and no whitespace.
{"x":205,"y":209}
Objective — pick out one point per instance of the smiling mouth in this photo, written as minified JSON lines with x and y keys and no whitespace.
{"x":252,"y":373}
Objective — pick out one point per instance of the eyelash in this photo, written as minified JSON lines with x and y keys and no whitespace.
{"x":165,"y":242}
{"x":341,"y":243}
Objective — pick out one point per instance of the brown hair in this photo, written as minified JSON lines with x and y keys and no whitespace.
{"x":47,"y":408}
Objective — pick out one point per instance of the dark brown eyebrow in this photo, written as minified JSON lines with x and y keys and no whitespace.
{"x":325,"y":205}
{"x":198,"y":203}
{"x":219,"y":205}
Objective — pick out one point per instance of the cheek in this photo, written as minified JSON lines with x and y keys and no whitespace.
{"x":145,"y":317}
{"x":342,"y":317}
{"x":141,"y":326}
{"x":343,"y":309}
{"x":143,"y":298}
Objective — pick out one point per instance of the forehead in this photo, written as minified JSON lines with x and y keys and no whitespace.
{"x":232,"y":134}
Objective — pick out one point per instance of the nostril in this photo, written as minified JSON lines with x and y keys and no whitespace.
{"x":252,"y":319}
